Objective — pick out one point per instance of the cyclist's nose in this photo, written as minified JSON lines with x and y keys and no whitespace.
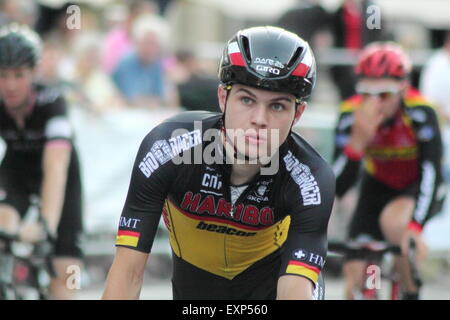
{"x":260,"y":116}
{"x":10,"y":83}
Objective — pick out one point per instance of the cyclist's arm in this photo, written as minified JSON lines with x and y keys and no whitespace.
{"x":55,"y":162}
{"x":125,"y":277}
{"x":430,"y":155}
{"x":346,"y":164}
{"x":305,"y":249}
{"x":149,"y":187}
{"x":294,"y":288}
{"x":56,"y":158}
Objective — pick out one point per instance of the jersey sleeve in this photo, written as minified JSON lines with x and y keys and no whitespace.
{"x":346,"y":167}
{"x":152,"y":176}
{"x":431,"y":187}
{"x":58,"y":126}
{"x":312,"y":196}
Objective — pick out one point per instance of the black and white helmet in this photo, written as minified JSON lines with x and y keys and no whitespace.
{"x":269,"y":58}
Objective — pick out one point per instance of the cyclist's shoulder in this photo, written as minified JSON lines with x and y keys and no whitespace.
{"x":350,"y":104}
{"x":47,"y":95}
{"x":414,"y":99}
{"x":182,"y":131}
{"x":419,"y":109}
{"x":299,"y":151}
{"x":306,"y":172}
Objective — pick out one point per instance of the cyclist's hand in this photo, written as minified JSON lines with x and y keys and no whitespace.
{"x":367,"y":119}
{"x":421,"y":247}
{"x":32,"y":232}
{"x":49,"y":232}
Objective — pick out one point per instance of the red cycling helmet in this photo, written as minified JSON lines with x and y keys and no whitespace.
{"x":383,"y":60}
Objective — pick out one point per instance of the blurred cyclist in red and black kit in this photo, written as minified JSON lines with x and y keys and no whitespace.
{"x":40,"y":158}
{"x":392,"y":131}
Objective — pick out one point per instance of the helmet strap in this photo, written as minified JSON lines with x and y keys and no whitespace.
{"x":298,"y":101}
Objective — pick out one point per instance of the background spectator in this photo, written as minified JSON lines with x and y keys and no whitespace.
{"x":118,"y":41}
{"x":306,"y":19}
{"x":350,"y":32}
{"x":140,"y":75}
{"x":435,"y":85}
{"x":435,"y":79}
{"x":21,"y":11}
{"x":50,"y":70}
{"x":93,"y":86}
{"x":197,"y":89}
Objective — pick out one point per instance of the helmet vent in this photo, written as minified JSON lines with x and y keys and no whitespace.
{"x":295,"y":57}
{"x":246,"y":46}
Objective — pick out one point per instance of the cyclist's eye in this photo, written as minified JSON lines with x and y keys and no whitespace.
{"x":246,"y":100}
{"x":277,"y":107}
{"x":385,"y":95}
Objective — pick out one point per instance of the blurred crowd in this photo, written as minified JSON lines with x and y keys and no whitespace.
{"x":120,"y":58}
{"x":351,"y":27}
{"x":121,"y":54}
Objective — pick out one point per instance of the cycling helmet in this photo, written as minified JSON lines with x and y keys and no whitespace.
{"x":19,"y":46}
{"x":383,"y":59}
{"x":269,"y":58}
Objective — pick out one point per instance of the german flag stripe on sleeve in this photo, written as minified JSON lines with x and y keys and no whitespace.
{"x":302,"y":269}
{"x":127,"y":238}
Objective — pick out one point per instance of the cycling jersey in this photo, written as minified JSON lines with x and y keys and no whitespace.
{"x":225,"y":250}
{"x":406,"y":150}
{"x":21,"y":172}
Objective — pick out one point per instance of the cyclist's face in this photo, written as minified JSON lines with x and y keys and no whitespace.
{"x":15,"y":85}
{"x":260,"y":120}
{"x":386,"y":94}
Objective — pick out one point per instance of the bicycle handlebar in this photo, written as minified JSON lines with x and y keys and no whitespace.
{"x":8,"y":237}
{"x":377,"y":249}
{"x":371,"y":248}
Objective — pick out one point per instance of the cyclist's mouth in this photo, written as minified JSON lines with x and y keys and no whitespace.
{"x":254,"y":139}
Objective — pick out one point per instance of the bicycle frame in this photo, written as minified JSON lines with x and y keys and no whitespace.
{"x":37,"y":266}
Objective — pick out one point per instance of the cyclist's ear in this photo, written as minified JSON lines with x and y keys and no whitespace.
{"x":222,"y":96}
{"x":299,"y":111}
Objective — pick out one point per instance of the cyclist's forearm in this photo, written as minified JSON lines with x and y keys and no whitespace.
{"x":122,"y":285}
{"x":292,"y":287}
{"x":55,"y":167}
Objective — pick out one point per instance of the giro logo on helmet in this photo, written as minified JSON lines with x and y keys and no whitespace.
{"x":268,"y":69}
{"x":270,"y":62}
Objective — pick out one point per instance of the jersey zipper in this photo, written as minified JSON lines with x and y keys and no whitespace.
{"x":243,"y":195}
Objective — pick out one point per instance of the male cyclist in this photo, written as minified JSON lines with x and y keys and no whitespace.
{"x":40,"y":158}
{"x":390,"y":129}
{"x":251,"y":223}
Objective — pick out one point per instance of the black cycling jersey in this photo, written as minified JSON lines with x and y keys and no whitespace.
{"x":226,"y":250}
{"x":21,"y":171}
{"x":46,"y":120}
{"x":404,"y":157}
